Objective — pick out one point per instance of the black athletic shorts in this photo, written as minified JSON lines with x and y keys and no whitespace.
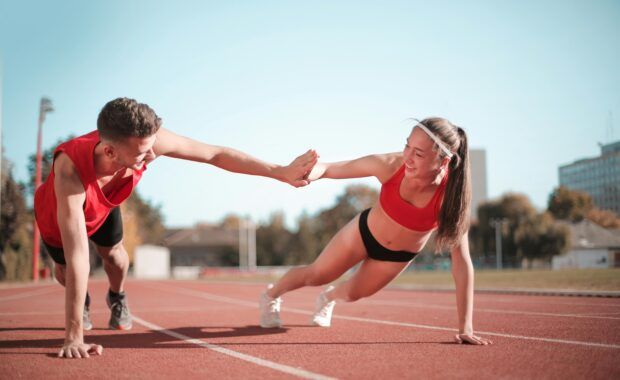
{"x":108,"y":235}
{"x":375,"y":250}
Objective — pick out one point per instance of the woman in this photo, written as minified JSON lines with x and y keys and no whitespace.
{"x":424,"y":188}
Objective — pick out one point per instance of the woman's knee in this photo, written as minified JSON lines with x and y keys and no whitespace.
{"x":317,"y":276}
{"x":354,"y":295}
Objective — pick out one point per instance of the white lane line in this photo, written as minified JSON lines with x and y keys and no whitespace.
{"x":478,"y":309}
{"x":248,"y":358}
{"x":30,"y":294}
{"x":27,"y":285}
{"x":603,"y":314}
{"x":480,"y":297}
{"x":235,"y":301}
{"x":550,"y":340}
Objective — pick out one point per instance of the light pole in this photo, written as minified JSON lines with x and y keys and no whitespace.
{"x":251,"y":245}
{"x":45,"y":107}
{"x":247,"y":244}
{"x":498,"y":223}
{"x":243,"y":241}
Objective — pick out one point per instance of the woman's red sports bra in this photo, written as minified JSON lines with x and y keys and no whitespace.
{"x":406,"y":214}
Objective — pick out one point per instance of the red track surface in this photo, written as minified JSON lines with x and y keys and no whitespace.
{"x":394,"y":334}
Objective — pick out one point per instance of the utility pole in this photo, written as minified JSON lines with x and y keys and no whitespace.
{"x":498,"y":224}
{"x":247,"y":244}
{"x":44,"y":108}
{"x":243,"y":241}
{"x":251,"y":244}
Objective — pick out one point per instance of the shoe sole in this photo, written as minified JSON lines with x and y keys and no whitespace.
{"x":318,"y":324}
{"x":270,"y":326}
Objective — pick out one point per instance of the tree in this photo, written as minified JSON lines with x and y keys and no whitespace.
{"x":273,"y":241}
{"x":148,"y":217}
{"x":230,"y":221}
{"x":541,"y":238}
{"x":355,"y":199}
{"x":15,"y":242}
{"x":516,"y":209}
{"x":46,"y":164}
{"x":604,"y":218}
{"x":304,"y":246}
{"x":572,"y":205}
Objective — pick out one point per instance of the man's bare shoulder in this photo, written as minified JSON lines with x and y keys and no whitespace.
{"x":64,"y":167}
{"x":67,"y":178}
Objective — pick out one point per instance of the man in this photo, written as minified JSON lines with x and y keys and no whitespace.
{"x":91,"y":176}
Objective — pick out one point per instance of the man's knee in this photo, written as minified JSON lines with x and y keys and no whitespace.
{"x":115,"y":254}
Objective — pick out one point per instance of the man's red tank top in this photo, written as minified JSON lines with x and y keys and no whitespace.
{"x":406,"y":214}
{"x":97,"y":205}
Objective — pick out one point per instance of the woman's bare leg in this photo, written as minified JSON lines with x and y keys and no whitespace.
{"x":342,"y":252}
{"x":372,"y":276}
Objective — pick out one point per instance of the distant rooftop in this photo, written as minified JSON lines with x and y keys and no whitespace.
{"x":587,"y":234}
{"x":606,"y":150}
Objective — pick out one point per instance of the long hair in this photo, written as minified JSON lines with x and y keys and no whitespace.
{"x":454,"y":213}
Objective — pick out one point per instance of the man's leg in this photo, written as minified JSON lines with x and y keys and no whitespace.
{"x":109,"y":242}
{"x":116,"y":263}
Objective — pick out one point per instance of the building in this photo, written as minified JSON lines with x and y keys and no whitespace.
{"x":478,"y":165}
{"x":204,"y":245}
{"x":591,"y":246}
{"x":598,"y":176}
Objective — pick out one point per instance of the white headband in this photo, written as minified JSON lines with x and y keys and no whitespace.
{"x":436,"y":139}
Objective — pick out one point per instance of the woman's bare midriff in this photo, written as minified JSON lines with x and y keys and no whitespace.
{"x":392,"y":235}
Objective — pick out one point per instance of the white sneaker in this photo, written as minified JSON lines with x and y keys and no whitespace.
{"x":324,"y":308}
{"x":86,"y":323}
{"x":269,"y":310}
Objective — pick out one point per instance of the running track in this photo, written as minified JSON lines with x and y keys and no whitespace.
{"x":191,"y":329}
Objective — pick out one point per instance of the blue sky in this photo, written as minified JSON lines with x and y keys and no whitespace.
{"x":532,"y":82}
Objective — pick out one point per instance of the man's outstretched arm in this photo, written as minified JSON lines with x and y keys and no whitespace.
{"x":172,"y":145}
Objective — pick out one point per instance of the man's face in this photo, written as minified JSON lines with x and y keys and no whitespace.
{"x":132,"y":152}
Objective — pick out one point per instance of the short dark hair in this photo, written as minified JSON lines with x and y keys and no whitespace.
{"x":123,"y":117}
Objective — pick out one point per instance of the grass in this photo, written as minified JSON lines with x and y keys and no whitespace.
{"x":573,"y":279}
{"x":534,"y":279}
